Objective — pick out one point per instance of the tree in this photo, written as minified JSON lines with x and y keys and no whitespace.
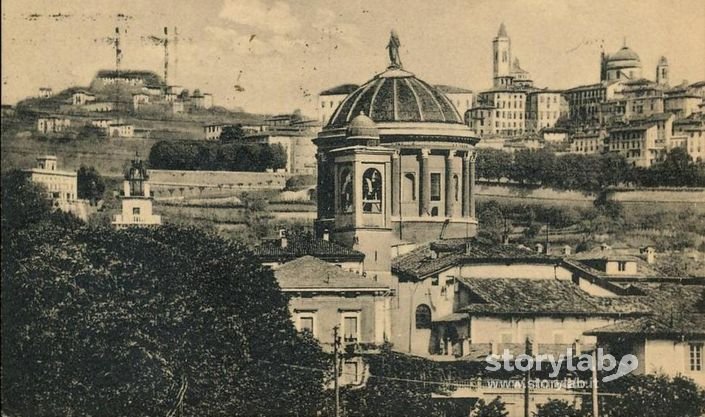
{"x":232,"y":133}
{"x":493,"y":223}
{"x":651,"y":396}
{"x":91,"y":185}
{"x":492,"y":164}
{"x":23,"y":202}
{"x":394,"y":390}
{"x":558,"y":408}
{"x":494,"y":408}
{"x":91,"y":133}
{"x":148,"y":322}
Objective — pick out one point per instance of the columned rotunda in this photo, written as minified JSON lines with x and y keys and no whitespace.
{"x":395,"y":163}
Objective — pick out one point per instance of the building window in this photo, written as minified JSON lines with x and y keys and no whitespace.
{"x":351,"y":330}
{"x":696,"y":357}
{"x":435,"y":186}
{"x":346,"y":191}
{"x":135,"y":211}
{"x":351,"y":372}
{"x":423,"y":317}
{"x":621,"y":266}
{"x":306,"y":322}
{"x":372,"y":191}
{"x":409,"y":188}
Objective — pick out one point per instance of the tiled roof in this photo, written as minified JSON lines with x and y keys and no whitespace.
{"x":312,"y":273}
{"x":502,"y":296}
{"x":582,"y":262}
{"x":450,"y":89}
{"x":692,"y":325}
{"x":340,"y":89}
{"x":674,"y":311}
{"x":443,"y":254}
{"x":299,"y":245}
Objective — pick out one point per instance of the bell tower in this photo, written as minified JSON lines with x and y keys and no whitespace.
{"x":502,"y":57}
{"x":662,"y":71}
{"x":359,"y":194}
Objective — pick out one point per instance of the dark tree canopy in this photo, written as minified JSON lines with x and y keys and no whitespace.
{"x":147,"y":322}
{"x":23,"y":202}
{"x":209,"y":156}
{"x":91,"y":185}
{"x":232,"y":133}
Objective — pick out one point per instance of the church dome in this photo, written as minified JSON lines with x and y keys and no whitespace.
{"x":625,"y":57}
{"x":362,"y":127}
{"x":396,"y":96}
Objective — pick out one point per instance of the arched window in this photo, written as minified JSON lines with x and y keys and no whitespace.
{"x":423,"y":317}
{"x":346,"y":191}
{"x":372,"y":191}
{"x":409,"y":188}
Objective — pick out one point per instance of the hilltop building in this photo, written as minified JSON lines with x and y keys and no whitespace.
{"x":330,"y":99}
{"x":45,"y":92}
{"x":53,"y":124}
{"x":61,"y":186}
{"x":513,"y":106}
{"x":136,"y":199}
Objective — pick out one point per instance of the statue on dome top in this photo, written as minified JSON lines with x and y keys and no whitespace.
{"x":393,"y":46}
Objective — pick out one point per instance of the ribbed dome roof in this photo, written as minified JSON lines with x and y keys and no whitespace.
{"x":624,"y":54}
{"x":396,"y":96}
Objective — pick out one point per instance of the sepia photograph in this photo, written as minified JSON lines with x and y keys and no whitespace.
{"x":326,"y":208}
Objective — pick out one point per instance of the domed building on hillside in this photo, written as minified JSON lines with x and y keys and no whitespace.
{"x":395,"y":162}
{"x":623,"y":64}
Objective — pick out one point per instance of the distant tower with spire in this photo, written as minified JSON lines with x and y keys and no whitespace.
{"x":502,"y":59}
{"x":136,"y":198}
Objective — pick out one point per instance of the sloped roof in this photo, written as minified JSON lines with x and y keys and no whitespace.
{"x":674,"y":308}
{"x":688,"y":325}
{"x":299,"y":245}
{"x":549,"y":297}
{"x":340,"y":89}
{"x":308,"y":272}
{"x":450,"y":89}
{"x":421,"y":262}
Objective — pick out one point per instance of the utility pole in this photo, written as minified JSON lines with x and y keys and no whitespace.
{"x":336,"y":344}
{"x":595,"y":404}
{"x":527,"y":377}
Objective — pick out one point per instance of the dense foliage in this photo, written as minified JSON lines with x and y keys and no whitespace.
{"x":143,"y":322}
{"x":232,"y":133}
{"x":91,"y":185}
{"x":651,"y":396}
{"x":559,"y":408}
{"x":587,"y":172}
{"x":396,"y":388}
{"x":212,"y":156}
{"x":494,"y":408}
{"x":23,"y":202}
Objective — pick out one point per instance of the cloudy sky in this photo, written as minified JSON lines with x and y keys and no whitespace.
{"x":283,"y":53}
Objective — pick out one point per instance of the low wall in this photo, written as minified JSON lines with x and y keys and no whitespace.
{"x":642,"y":198}
{"x":519,"y":194}
{"x":171,"y":183}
